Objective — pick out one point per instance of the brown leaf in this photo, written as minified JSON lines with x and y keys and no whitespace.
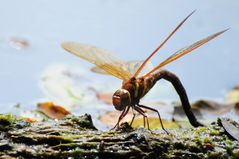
{"x":237,"y":108}
{"x":110,"y":118}
{"x":52,"y":111}
{"x":18,"y":43}
{"x":105,"y":97}
{"x":154,"y":123}
{"x":213,"y":107}
{"x":30,"y":120}
{"x":201,"y":106}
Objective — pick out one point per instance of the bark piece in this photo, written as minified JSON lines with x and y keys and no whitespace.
{"x":76,"y":137}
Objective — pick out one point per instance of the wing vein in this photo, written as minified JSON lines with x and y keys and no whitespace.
{"x":185,"y":51}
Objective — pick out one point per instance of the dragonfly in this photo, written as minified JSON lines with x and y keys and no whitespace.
{"x":135,"y":85}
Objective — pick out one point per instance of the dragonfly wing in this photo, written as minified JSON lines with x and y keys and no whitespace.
{"x":161,"y":45}
{"x":96,"y":69}
{"x":185,"y":51}
{"x":133,"y":66}
{"x":103,"y":59}
{"x":130,"y":66}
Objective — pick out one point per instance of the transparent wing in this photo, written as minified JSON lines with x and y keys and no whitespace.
{"x":185,"y":51}
{"x":130,"y":66}
{"x":103,"y":59}
{"x":161,"y":45}
{"x":133,"y":66}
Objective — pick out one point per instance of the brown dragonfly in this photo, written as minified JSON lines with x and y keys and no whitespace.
{"x":134,"y":87}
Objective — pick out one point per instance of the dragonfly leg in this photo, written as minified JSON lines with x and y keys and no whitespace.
{"x":140,"y":111}
{"x":155,"y":110}
{"x":133,"y":116}
{"x":182,"y":94}
{"x":122,"y":115}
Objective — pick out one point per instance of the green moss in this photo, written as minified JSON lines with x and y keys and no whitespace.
{"x":214,"y":133}
{"x":84,"y":121}
{"x":200,"y":130}
{"x":9,"y":121}
{"x":235,"y":153}
{"x":67,"y":138}
{"x":229,"y":142}
{"x":6,"y":121}
{"x":207,"y":140}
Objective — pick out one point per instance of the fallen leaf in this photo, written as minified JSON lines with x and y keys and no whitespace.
{"x":233,"y":95}
{"x":231,"y":127}
{"x":178,"y":110}
{"x":52,"y":111}
{"x":154,"y":123}
{"x":213,"y":107}
{"x":18,"y":43}
{"x":237,"y":108}
{"x":208,"y":106}
{"x":30,"y":120}
{"x":111,"y":118}
{"x":106,"y":97}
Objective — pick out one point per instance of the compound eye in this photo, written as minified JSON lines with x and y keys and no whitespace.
{"x":116,"y":100}
{"x":121,"y":99}
{"x":125,"y":99}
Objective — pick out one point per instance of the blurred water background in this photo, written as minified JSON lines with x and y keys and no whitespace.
{"x":132,"y":29}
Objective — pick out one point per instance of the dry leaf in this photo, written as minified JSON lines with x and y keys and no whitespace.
{"x":233,"y":95}
{"x":111,"y":118}
{"x":213,"y":107}
{"x":208,"y":106}
{"x":52,"y":111}
{"x":105,"y":97}
{"x":231,"y":127}
{"x":237,"y":108}
{"x":154,"y":123}
{"x":18,"y":43}
{"x":30,"y":120}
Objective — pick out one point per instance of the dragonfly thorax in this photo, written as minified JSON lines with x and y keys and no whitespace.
{"x":121,"y":99}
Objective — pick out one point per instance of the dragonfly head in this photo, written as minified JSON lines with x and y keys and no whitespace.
{"x":121,"y":99}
